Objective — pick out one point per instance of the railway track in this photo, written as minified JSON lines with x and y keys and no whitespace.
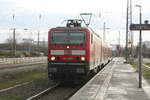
{"x":44,"y":92}
{"x":20,"y":65}
{"x":8,"y":63}
{"x":12,"y":87}
{"x":25,"y":90}
{"x":22,"y":68}
{"x":56,"y":92}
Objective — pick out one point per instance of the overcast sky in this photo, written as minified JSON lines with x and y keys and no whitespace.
{"x":54,"y":12}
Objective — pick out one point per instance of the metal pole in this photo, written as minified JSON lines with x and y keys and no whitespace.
{"x":14,"y":42}
{"x":132,"y":54}
{"x":104,"y":29}
{"x":140,"y":50}
{"x":38,"y":43}
{"x":40,"y":16}
{"x":127,"y":31}
{"x":14,"y":36}
{"x":140,"y":53}
{"x":119,"y":45}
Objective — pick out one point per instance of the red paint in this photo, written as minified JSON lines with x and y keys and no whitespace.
{"x":95,"y":53}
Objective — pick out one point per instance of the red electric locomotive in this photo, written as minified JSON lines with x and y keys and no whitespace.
{"x":75,"y":51}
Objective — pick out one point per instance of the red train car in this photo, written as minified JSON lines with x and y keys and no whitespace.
{"x":75,"y":51}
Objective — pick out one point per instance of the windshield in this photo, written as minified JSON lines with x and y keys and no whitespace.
{"x":68,"y":38}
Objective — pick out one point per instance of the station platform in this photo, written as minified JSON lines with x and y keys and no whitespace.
{"x":117,"y":81}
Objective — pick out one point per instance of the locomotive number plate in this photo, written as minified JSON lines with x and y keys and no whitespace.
{"x":68,"y":52}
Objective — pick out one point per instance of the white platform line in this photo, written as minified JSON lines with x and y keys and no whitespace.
{"x":146,"y":66}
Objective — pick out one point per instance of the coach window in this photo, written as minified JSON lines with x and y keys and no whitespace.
{"x":91,"y":38}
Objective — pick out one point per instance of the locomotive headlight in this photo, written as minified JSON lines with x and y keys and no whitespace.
{"x":82,"y":58}
{"x":53,"y":58}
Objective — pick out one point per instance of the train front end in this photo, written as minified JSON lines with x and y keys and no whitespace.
{"x":67,"y":52}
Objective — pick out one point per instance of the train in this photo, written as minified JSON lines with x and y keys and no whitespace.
{"x":75,"y":51}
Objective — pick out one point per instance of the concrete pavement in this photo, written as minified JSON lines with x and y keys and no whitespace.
{"x":117,"y":81}
{"x":124,"y":84}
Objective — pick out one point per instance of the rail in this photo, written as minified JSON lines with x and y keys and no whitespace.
{"x":12,"y":87}
{"x":37,"y":96}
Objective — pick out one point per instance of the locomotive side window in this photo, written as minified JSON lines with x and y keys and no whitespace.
{"x":68,"y":38}
{"x":91,"y":38}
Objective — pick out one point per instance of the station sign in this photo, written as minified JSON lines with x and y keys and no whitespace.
{"x":136,"y":27}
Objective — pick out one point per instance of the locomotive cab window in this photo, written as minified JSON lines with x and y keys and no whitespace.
{"x":59,"y":38}
{"x":68,"y":38}
{"x":77,"y":38}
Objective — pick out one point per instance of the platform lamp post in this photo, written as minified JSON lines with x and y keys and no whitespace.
{"x":14,"y":36}
{"x":104,"y":31}
{"x":30,"y":41}
{"x":140,"y":49}
{"x":38,"y":42}
{"x":126,"y":47}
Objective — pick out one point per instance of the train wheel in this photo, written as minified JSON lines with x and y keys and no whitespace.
{"x":99,"y":68}
{"x":102,"y":66}
{"x":94,"y":71}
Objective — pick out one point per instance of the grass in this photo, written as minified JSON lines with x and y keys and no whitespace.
{"x":11,"y":97}
{"x":14,"y":79}
{"x":145,"y":71}
{"x":8,"y":53}
{"x":5,"y":53}
{"x":130,"y":60}
{"x":148,"y":64}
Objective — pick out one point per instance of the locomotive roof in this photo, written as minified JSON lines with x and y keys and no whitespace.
{"x":75,"y":28}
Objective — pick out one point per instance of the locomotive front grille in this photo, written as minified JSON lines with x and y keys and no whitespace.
{"x":72,"y":68}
